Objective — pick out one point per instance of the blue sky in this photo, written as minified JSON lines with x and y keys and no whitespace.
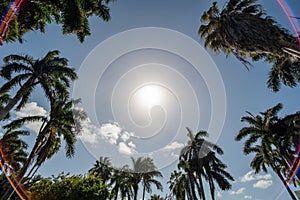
{"x":110,"y":133}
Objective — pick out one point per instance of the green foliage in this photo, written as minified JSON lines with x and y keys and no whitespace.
{"x":198,"y":162}
{"x":274,"y":141}
{"x":242,"y":29}
{"x":72,"y":15}
{"x":69,"y":188}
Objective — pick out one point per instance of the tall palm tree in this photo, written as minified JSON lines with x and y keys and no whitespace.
{"x":143,"y":171}
{"x":148,"y":178}
{"x":242,"y":29}
{"x":102,"y":168}
{"x":61,"y":123}
{"x":197,"y":159}
{"x":51,"y":73}
{"x":120,"y":182}
{"x":270,"y":138}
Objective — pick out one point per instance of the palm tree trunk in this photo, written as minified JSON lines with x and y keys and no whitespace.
{"x":144,"y":190}
{"x":135,"y":192}
{"x":33,"y":152}
{"x":17,"y":97}
{"x":286,"y":185}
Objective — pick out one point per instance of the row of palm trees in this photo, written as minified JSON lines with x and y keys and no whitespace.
{"x":125,"y":181}
{"x":197,"y":163}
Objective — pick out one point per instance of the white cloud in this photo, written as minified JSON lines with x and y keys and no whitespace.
{"x":251,"y":176}
{"x":263,"y":184}
{"x":173,"y":146}
{"x":239,"y":191}
{"x":32,"y":109}
{"x":247,"y":197}
{"x":109,"y":133}
{"x":125,"y":149}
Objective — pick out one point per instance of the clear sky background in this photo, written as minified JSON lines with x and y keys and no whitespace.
{"x":245,"y":91}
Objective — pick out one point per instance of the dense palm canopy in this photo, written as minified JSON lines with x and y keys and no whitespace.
{"x":274,"y":141}
{"x":72,"y":15}
{"x":198,"y":162}
{"x":51,"y":73}
{"x":242,"y":29}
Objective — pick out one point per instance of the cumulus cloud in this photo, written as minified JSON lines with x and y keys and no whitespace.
{"x":173,"y":146}
{"x":239,"y":191}
{"x":111,"y":133}
{"x":251,"y":176}
{"x":32,"y":109}
{"x":263,"y":184}
{"x":247,"y":197}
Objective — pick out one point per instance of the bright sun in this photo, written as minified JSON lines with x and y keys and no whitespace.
{"x":150,"y":95}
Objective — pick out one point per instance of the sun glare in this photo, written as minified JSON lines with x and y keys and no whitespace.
{"x":150,"y":95}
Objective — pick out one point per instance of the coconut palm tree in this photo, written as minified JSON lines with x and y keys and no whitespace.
{"x":270,"y":138}
{"x":198,"y":161}
{"x":51,"y":73}
{"x":242,"y":29}
{"x":102,"y":168}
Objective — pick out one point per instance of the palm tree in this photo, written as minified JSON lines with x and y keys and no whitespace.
{"x":13,"y":149}
{"x":102,"y":168}
{"x":148,"y":178}
{"x":238,"y":26}
{"x":51,"y":73}
{"x":143,"y":171}
{"x":34,"y":15}
{"x":120,"y":182}
{"x":13,"y":155}
{"x":197,"y":159}
{"x":61,"y":123}
{"x":271,"y":140}
{"x":242,"y":29}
